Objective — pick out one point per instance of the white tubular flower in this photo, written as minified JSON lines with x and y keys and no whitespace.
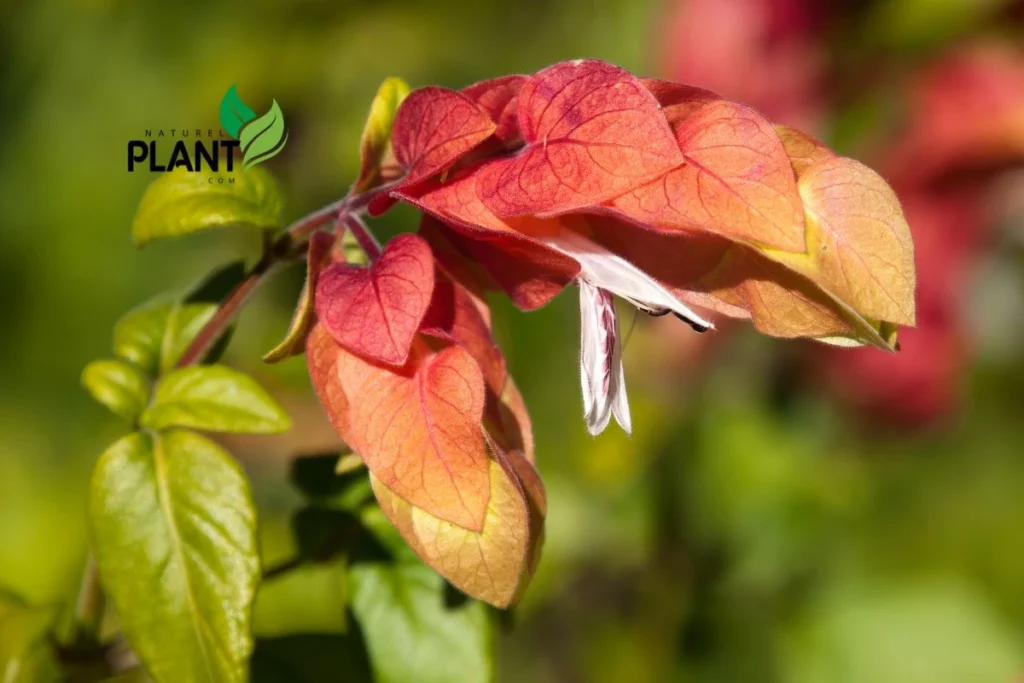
{"x":601,"y":373}
{"x":602,"y":274}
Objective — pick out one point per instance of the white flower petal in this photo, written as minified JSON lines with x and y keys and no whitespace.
{"x":619,"y":399}
{"x":601,"y":375}
{"x":609,"y":271}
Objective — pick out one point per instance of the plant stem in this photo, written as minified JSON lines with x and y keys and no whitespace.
{"x":278,"y":251}
{"x":227,"y":311}
{"x":90,"y":605}
{"x":361,"y":231}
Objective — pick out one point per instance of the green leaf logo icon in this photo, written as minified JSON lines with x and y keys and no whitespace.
{"x":261,"y":137}
{"x":264,"y":137}
{"x":234,"y":113}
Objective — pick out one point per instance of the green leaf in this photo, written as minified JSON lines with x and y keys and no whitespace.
{"x":411,"y":634}
{"x":180,"y":203}
{"x":264,"y":137}
{"x":214,"y":398}
{"x":234,"y":113}
{"x":24,"y":654}
{"x":377,"y":131}
{"x":118,"y":385}
{"x":173,"y":527}
{"x":183,"y":324}
{"x":154,"y":335}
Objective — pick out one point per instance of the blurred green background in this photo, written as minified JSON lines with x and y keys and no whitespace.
{"x":756,"y":527}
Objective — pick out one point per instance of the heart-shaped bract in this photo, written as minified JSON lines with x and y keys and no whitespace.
{"x":418,"y":430}
{"x":376,"y":311}
{"x":433,"y":128}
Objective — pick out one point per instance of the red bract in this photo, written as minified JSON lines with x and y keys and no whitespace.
{"x":592,"y":132}
{"x":499,"y":97}
{"x":664,"y":195}
{"x":434,"y":127}
{"x":376,"y":311}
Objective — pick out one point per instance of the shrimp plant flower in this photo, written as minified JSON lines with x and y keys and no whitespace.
{"x":665,"y":196}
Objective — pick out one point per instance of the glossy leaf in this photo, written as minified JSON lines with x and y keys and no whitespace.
{"x":592,"y":132}
{"x":494,"y":563}
{"x":234,"y":113}
{"x":154,"y":335}
{"x":174,"y":533}
{"x":433,"y":128}
{"x":418,"y":429}
{"x":294,"y":342}
{"x":376,"y":136}
{"x":737,"y":181}
{"x":117,"y":385}
{"x":183,"y":324}
{"x":263,"y":137}
{"x":180,"y":203}
{"x":214,"y":398}
{"x":376,"y":311}
{"x":412,"y":635}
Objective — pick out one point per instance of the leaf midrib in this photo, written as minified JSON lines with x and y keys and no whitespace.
{"x":164,"y":495}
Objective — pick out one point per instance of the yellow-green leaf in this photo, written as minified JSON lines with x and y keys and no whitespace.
{"x":173,"y":530}
{"x":377,"y":131}
{"x":154,"y":335}
{"x":181,"y":202}
{"x":214,"y":398}
{"x":118,"y":385}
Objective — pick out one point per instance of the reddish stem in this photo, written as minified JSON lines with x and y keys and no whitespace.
{"x":362,"y":233}
{"x":278,"y":251}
